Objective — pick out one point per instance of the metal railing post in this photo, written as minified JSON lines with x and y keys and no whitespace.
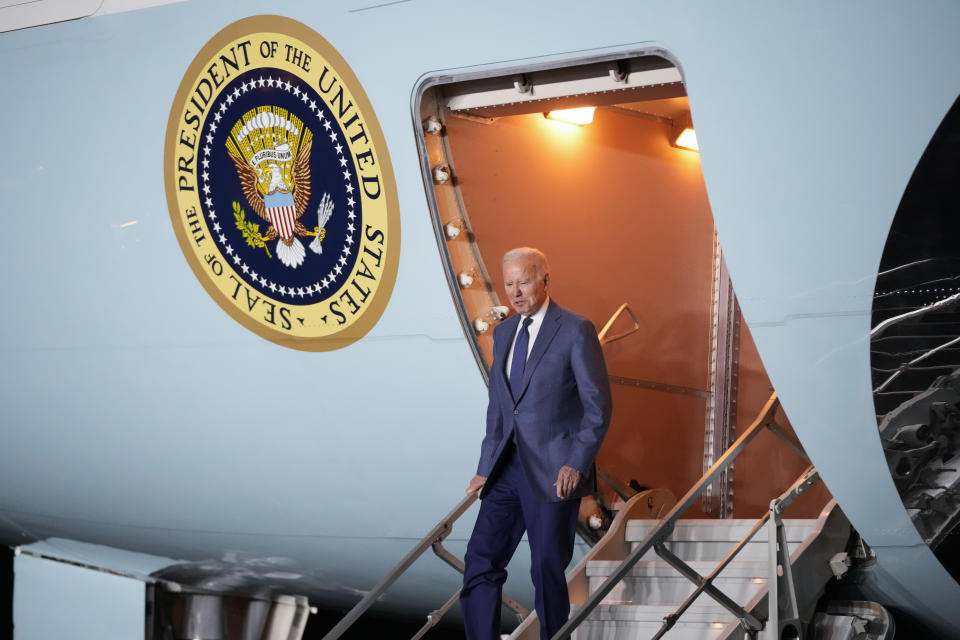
{"x":781,"y":573}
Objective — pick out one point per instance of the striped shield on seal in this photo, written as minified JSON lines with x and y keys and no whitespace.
{"x":282,"y":212}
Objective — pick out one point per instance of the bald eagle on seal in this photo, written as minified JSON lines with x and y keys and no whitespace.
{"x":281,"y":204}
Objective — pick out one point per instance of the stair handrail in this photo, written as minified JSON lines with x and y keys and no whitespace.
{"x":603,"y":336}
{"x":660,"y":533}
{"x":433,"y":540}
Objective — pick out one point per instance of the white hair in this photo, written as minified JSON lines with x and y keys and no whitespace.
{"x":538,"y":258}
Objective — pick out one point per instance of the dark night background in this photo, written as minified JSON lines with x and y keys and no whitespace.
{"x":925,"y":231}
{"x":925,"y":234}
{"x":369,"y":627}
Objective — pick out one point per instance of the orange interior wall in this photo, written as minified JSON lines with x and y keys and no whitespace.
{"x":768,"y":466}
{"x":623,"y":217}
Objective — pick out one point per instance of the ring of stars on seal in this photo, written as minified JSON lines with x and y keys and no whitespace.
{"x":347,"y":252}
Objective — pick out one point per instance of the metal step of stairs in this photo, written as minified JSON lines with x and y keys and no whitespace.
{"x":635,"y":609}
{"x":713,"y":539}
{"x":656,"y":582}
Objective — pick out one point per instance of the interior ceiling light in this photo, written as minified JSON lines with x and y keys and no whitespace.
{"x":684,"y":136}
{"x":580,"y":115}
{"x":687,"y":139}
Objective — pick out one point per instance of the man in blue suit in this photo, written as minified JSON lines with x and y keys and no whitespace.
{"x":548,"y":411}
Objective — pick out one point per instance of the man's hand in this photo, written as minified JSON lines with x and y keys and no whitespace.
{"x":476,"y":484}
{"x":567,"y":481}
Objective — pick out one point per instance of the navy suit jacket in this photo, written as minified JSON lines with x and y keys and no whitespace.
{"x":561,"y":409}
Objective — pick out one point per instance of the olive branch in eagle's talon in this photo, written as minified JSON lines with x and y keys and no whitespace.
{"x":250,"y":229}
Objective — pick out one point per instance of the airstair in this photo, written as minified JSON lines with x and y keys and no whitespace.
{"x":653,"y":575}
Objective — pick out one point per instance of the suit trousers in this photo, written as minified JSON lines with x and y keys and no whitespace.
{"x":510,"y":508}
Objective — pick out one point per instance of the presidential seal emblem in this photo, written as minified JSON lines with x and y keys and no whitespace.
{"x":280,"y":187}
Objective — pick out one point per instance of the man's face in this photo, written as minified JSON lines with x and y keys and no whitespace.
{"x":525,"y":290}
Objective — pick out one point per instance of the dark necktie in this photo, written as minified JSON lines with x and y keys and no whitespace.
{"x":520,"y":348}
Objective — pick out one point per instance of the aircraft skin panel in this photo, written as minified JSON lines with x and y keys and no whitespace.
{"x":255,"y":448}
{"x":132,"y":402}
{"x":809,"y":309}
{"x":89,"y":604}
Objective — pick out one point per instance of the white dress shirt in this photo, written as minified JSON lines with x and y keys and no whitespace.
{"x":534,"y":329}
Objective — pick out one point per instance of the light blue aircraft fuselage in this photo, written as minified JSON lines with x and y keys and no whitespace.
{"x":143,"y":427}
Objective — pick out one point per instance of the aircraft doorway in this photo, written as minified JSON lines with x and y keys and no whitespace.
{"x":622,"y":213}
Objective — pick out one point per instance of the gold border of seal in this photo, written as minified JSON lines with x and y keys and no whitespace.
{"x":371,"y":315}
